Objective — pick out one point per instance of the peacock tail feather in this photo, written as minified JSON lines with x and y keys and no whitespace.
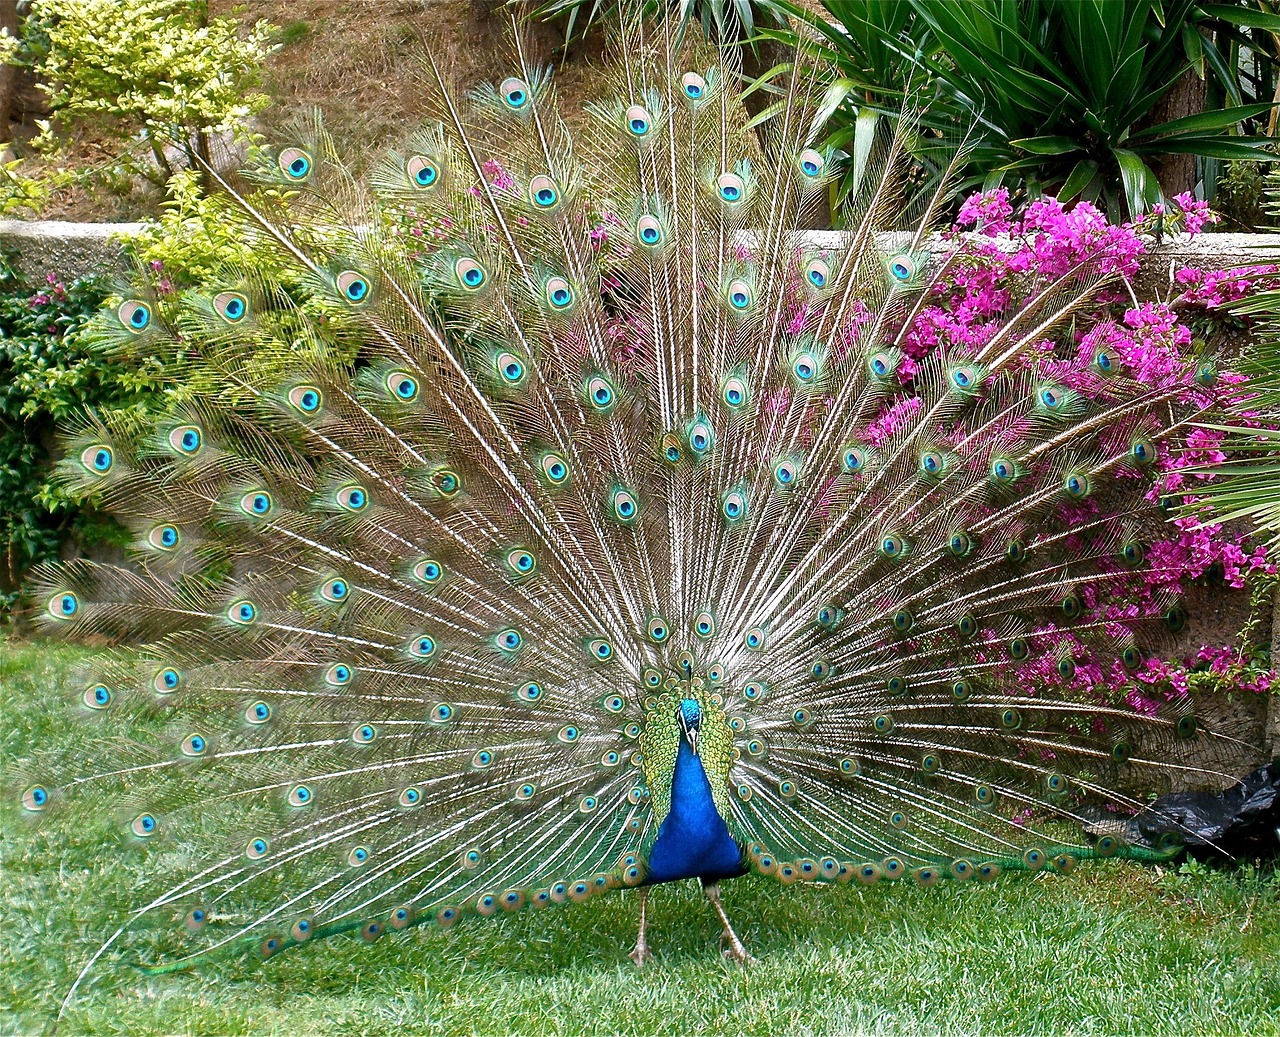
{"x":500,"y":456}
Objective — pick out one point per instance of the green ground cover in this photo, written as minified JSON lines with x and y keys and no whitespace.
{"x":1114,"y":949}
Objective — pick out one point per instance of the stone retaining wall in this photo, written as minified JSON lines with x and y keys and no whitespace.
{"x":71,"y":250}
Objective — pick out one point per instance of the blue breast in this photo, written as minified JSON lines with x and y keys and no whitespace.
{"x":693,"y":840}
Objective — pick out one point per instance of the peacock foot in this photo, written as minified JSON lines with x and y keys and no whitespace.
{"x":641,"y":955}
{"x":734,"y":949}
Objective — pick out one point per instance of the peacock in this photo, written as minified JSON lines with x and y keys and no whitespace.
{"x":547,"y":514}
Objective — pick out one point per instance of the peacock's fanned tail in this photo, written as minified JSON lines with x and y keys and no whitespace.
{"x":494,"y":457}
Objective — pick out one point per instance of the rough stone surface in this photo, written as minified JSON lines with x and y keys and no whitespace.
{"x":67,"y":250}
{"x":71,"y":250}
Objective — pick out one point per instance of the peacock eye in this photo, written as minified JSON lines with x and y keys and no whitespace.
{"x":186,"y":439}
{"x":402,"y":386}
{"x":135,"y":315}
{"x":637,"y":121}
{"x":734,"y":392}
{"x":558,"y":293}
{"x":510,"y":368}
{"x":352,"y":498}
{"x":470,"y":274}
{"x":514,"y":93}
{"x":811,"y":163}
{"x":422,"y":171}
{"x":693,"y":86}
{"x":353,"y":287}
{"x":739,"y":295}
{"x":730,"y":188}
{"x":902,"y":268}
{"x":817,"y":273}
{"x":649,"y":231}
{"x":98,"y":458}
{"x":231,"y":306}
{"x":543,"y":192}
{"x":306,"y":399}
{"x":295,"y":164}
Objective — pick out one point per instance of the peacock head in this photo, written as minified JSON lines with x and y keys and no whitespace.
{"x":689,"y":716}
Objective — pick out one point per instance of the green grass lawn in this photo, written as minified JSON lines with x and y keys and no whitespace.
{"x":1114,"y":949}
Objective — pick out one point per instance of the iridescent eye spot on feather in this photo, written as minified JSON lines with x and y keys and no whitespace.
{"x":1066,"y":668}
{"x":135,"y":315}
{"x":166,"y":681}
{"x":257,"y":848}
{"x":300,"y":796}
{"x":295,"y":164}
{"x":442,"y":713}
{"x":194,"y":745}
{"x":1143,"y":452}
{"x":543,"y":192}
{"x":754,"y":638}
{"x":817,"y":273}
{"x":811,"y":163}
{"x":785,"y":474}
{"x":600,"y":650}
{"x":306,"y":399}
{"x":1175,"y":620}
{"x":614,"y":703}
{"x":352,"y":497}
{"x":508,"y":641}
{"x":559,"y":294}
{"x":1071,"y":606}
{"x":902,"y":268}
{"x":1207,"y":374}
{"x":521,"y":562}
{"x":231,"y":306}
{"x":446,"y":481}
{"x":335,"y":590}
{"x":623,"y":505}
{"x":514,"y":92}
{"x":893,"y":546}
{"x":704,"y":624}
{"x":186,"y":440}
{"x":701,"y":438}
{"x":734,"y":393}
{"x":35,"y":798}
{"x":569,"y":734}
{"x":883,"y":364}
{"x":1132,"y":554}
{"x":526,"y":790}
{"x":658,"y":630}
{"x":257,"y":713}
{"x":555,"y":469}
{"x":960,"y":544}
{"x":364,"y":734}
{"x":827,"y":616}
{"x":1077,"y":485}
{"x":196,"y":919}
{"x":693,"y":86}
{"x":964,"y":377}
{"x":730,"y":189}
{"x":739,"y":295}
{"x":242,"y":612}
{"x":1003,"y":470}
{"x":753,"y":691}
{"x":353,"y":286}
{"x":734,"y":506}
{"x":651,"y":677}
{"x":530,"y":691}
{"x":423,"y":646}
{"x":853,"y":459}
{"x":422,"y":171}
{"x":933,"y":463}
{"x":402,"y":386}
{"x":64,"y":605}
{"x":649,"y":231}
{"x":144,"y":826}
{"x":510,"y":368}
{"x":470,"y":274}
{"x":804,"y":367}
{"x":256,"y":503}
{"x":961,"y":690}
{"x":637,"y":121}
{"x":1050,"y":397}
{"x":97,"y":696}
{"x":358,"y":856}
{"x":600,"y":394}
{"x":428,"y":571}
{"x":1104,"y":362}
{"x":97,"y":459}
{"x":339,"y":675}
{"x":164,"y":537}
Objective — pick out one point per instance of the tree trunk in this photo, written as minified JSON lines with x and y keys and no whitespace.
{"x":12,"y":21}
{"x":1177,"y":173}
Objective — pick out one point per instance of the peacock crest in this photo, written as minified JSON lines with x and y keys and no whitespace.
{"x":548,"y":515}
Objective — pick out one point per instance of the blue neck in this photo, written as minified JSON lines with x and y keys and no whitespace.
{"x":693,"y":840}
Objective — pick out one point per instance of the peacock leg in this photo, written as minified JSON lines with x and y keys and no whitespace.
{"x":736,"y":949}
{"x":641,"y":954}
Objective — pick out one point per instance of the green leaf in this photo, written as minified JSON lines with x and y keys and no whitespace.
{"x":1141,"y":189}
{"x":1085,"y":170}
{"x":1221,"y":119}
{"x":1247,"y":16}
{"x":1048,"y":145}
